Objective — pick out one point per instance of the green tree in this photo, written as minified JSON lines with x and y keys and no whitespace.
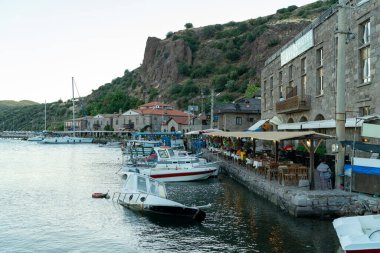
{"x":188,"y":25}
{"x":251,"y":90}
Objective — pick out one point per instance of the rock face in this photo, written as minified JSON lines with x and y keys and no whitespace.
{"x":161,"y":59}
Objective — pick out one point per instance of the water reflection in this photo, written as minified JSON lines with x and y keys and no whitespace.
{"x":45,"y":193}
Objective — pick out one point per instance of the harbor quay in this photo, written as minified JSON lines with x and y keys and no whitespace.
{"x":298,"y":201}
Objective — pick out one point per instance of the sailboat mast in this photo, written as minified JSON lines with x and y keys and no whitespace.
{"x":72,"y":83}
{"x":45,"y":115}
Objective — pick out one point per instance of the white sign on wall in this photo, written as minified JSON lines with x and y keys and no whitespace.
{"x":297,"y":48}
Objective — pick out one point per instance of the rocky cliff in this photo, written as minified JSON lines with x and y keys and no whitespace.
{"x":182,"y":68}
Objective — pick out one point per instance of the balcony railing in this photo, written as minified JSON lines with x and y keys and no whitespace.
{"x":294,"y":104}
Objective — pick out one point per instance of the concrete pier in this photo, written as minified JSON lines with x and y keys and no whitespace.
{"x":299,"y":201}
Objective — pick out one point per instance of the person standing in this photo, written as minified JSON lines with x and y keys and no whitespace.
{"x":324,"y":175}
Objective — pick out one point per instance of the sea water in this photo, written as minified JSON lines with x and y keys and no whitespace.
{"x":46,"y":206}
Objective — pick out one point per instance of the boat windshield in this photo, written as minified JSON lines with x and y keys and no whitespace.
{"x":141,"y":184}
{"x":171,"y":152}
{"x":157,"y":189}
{"x":163,"y":154}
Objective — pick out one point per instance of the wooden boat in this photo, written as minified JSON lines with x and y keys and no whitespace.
{"x":359,"y":233}
{"x":144,"y":194}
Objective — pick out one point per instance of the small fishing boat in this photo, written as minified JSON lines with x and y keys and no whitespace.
{"x":359,"y":233}
{"x":147,"y":195}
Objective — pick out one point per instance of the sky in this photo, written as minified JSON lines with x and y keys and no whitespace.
{"x":44,"y":43}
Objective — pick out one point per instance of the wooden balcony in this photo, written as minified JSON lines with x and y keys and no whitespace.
{"x":293,"y":104}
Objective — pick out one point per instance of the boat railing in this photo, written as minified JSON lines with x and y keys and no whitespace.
{"x":122,"y":195}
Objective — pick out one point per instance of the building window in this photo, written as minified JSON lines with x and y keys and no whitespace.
{"x":364,"y":111}
{"x":290,"y":72}
{"x":271,"y":91}
{"x":264,"y":95}
{"x":303,"y":77}
{"x":364,"y":52}
{"x":365,"y":62}
{"x":320,"y":81}
{"x":280,"y":86}
{"x":239,"y":121}
{"x":320,"y":57}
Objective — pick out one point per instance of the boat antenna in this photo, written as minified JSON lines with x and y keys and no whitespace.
{"x":72,"y":84}
{"x":45,"y":115}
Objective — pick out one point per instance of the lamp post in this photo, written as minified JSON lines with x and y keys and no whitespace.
{"x":340,"y":114}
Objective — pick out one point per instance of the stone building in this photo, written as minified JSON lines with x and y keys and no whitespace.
{"x":299,"y":82}
{"x":237,"y":116}
{"x":102,"y":122}
{"x":81,"y":124}
{"x":149,"y":117}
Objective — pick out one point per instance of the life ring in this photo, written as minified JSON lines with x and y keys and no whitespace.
{"x":99,"y":195}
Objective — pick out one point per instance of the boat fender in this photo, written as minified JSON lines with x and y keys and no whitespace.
{"x":142,"y":199}
{"x":99,"y":195}
{"x":130,"y":197}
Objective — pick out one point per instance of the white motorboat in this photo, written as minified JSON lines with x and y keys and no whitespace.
{"x":66,"y":140}
{"x":111,"y":144}
{"x":144,"y":194}
{"x":36,"y":138}
{"x":359,"y":233}
{"x":172,"y":168}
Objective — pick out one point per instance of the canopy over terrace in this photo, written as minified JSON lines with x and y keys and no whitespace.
{"x":280,"y":136}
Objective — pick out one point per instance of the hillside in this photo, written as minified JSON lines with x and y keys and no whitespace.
{"x":186,"y":64}
{"x":182,"y":68}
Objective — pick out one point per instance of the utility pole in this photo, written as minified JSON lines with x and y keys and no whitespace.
{"x":340,"y":93}
{"x":212,"y":109}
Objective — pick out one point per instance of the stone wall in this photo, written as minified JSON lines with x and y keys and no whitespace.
{"x":299,"y":201}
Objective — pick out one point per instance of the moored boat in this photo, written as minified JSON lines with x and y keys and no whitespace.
{"x":147,"y":195}
{"x":359,"y":234}
{"x":169,"y":167}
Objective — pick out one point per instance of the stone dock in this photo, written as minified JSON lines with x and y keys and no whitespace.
{"x":299,"y":201}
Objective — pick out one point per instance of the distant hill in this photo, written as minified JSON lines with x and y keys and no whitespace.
{"x":182,"y":68}
{"x":10,"y":103}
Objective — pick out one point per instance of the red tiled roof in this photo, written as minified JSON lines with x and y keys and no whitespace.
{"x":161,"y":112}
{"x":154,"y":104}
{"x":181,"y":120}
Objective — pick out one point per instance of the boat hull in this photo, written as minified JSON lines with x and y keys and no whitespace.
{"x":358,"y":233}
{"x":66,"y":140}
{"x":179,"y":175}
{"x":172,"y":212}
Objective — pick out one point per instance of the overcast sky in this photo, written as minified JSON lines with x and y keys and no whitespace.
{"x":43,"y":43}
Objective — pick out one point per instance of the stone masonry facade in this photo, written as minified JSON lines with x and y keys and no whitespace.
{"x":303,"y":88}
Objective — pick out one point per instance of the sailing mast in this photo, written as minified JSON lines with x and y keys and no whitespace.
{"x":45,"y":115}
{"x":72,"y":83}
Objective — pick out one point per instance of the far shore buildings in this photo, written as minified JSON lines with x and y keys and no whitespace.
{"x":153,"y":117}
{"x":299,"y":82}
{"x":160,"y":117}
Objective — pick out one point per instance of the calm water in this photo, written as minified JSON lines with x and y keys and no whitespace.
{"x":46,"y":206}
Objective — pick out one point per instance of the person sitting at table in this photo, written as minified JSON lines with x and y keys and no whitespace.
{"x":238,"y":152}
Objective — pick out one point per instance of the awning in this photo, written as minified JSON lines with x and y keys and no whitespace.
{"x":203,"y":131}
{"x":257,"y":125}
{"x":362,"y":146}
{"x":330,"y":123}
{"x":273,"y":136}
